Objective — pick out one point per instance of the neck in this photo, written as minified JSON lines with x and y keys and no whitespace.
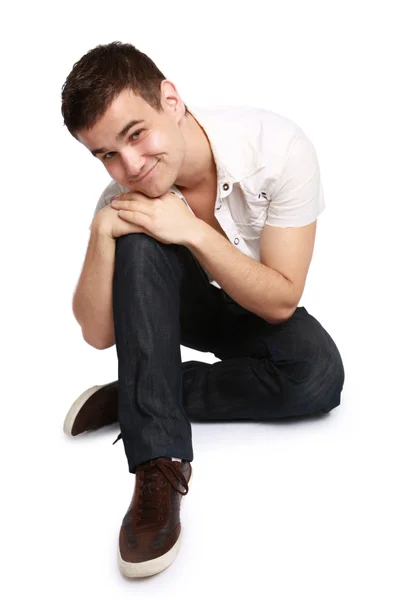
{"x":198,"y":164}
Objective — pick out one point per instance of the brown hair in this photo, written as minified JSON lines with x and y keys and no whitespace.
{"x":100,"y":76}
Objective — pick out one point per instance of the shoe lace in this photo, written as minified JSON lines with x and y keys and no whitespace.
{"x":151,"y":494}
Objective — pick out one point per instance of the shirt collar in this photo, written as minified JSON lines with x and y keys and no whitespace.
{"x":235,"y":154}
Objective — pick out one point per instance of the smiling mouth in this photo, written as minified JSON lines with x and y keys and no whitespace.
{"x":148,"y":173}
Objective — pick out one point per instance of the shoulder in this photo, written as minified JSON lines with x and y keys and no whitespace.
{"x":257,"y":124}
{"x":112,"y":189}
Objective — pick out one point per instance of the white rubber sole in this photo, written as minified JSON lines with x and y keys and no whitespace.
{"x":156,"y":565}
{"x":76,"y":407}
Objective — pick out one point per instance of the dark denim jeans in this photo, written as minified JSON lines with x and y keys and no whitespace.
{"x":161,"y":299}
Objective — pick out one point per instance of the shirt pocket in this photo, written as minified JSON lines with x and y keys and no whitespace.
{"x":251,"y":219}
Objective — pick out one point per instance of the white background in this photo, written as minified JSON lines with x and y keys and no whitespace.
{"x":306,"y":509}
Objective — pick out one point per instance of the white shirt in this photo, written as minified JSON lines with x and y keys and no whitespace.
{"x":267,"y":170}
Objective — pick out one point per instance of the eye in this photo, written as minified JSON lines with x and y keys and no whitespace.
{"x":137,"y":133}
{"x":131,"y":137}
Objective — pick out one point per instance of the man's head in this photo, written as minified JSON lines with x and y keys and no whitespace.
{"x":114,"y":86}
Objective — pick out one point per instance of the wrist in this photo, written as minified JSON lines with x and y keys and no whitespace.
{"x":197,"y":235}
{"x":100,"y":228}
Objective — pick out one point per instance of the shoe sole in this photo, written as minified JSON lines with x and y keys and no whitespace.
{"x":76,"y":407}
{"x":155,"y":565}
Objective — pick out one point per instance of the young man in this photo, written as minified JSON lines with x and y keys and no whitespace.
{"x":208,"y":246}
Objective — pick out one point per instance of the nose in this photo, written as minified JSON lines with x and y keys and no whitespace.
{"x":133,"y":163}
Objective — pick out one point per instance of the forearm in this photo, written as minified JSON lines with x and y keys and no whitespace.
{"x":251,"y":284}
{"x":92,"y":303}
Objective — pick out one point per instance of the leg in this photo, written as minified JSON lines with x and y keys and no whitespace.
{"x":267,"y":371}
{"x":149,"y":280}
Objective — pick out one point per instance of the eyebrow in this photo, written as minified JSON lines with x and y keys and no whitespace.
{"x":121,"y":134}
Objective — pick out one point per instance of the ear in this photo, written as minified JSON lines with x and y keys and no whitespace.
{"x":171,"y":101}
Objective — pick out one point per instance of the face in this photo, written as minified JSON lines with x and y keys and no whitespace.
{"x":142,"y":149}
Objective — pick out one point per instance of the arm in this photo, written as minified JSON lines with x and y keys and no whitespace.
{"x":271,"y":288}
{"x":92,"y":302}
{"x":254,"y":286}
{"x":289,"y":250}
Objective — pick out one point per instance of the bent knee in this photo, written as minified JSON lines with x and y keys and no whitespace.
{"x":315,"y":383}
{"x":129,"y":240}
{"x":326,"y":379}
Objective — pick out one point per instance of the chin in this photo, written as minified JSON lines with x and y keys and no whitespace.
{"x":156,"y":190}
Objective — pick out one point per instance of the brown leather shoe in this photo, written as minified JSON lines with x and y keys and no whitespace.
{"x":96,"y":407}
{"x":150,"y":534}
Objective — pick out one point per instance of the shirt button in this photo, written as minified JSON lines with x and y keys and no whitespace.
{"x":236,"y":241}
{"x":225,"y":186}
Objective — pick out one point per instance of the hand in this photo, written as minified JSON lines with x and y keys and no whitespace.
{"x":167,"y":218}
{"x":108,"y":222}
